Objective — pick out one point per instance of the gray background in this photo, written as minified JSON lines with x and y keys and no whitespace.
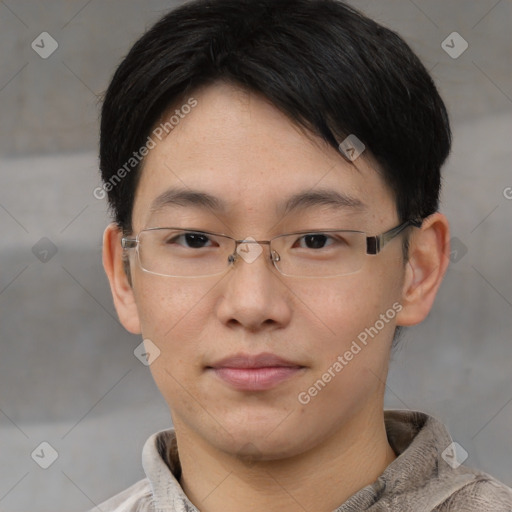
{"x":68,"y":375}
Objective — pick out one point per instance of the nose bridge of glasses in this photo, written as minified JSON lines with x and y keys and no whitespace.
{"x":250,"y":249}
{"x":251,"y":240}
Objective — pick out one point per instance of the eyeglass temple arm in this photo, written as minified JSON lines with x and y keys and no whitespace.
{"x":128,"y":243}
{"x":374,"y":244}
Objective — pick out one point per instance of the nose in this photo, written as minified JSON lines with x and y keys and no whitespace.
{"x":254,"y":296}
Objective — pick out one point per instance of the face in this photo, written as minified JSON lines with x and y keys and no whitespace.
{"x":238,"y":148}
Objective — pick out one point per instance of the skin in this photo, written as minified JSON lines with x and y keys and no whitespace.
{"x":264,"y":450}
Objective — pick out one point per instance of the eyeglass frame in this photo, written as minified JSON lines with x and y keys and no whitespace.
{"x":374,"y":243}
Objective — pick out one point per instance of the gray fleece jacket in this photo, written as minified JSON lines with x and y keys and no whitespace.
{"x":426,"y":476}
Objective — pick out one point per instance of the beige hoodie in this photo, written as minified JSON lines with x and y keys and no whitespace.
{"x":425,"y":477}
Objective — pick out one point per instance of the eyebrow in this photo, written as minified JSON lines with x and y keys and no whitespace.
{"x":301,"y":201}
{"x":320,"y":197}
{"x":187,"y":197}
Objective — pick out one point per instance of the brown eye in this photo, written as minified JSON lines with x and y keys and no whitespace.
{"x":315,"y":241}
{"x":191,"y":240}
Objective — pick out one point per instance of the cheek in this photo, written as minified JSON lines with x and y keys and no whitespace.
{"x":341,"y":307}
{"x":351,"y":341}
{"x":173,"y":315}
{"x":353,"y":319}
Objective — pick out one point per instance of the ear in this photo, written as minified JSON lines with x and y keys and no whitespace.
{"x":429,"y":252}
{"x":122,"y":292}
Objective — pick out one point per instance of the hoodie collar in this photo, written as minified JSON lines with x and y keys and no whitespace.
{"x":418,"y":479}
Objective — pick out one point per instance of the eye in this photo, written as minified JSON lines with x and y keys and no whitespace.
{"x":315,"y":241}
{"x":191,"y":239}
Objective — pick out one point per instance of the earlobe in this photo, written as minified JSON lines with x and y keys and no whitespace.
{"x":122,"y":291}
{"x":429,"y":251}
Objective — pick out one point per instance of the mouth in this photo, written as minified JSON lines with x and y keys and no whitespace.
{"x":255,"y":373}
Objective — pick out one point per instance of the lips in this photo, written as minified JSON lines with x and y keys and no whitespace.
{"x":254,"y":372}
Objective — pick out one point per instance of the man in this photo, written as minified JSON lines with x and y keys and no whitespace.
{"x":273,"y":168}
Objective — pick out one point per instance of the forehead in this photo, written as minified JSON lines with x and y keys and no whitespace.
{"x":235,"y":153}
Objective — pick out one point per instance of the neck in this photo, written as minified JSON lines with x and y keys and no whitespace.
{"x":320,"y":479}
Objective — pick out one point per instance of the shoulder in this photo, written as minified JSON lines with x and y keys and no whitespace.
{"x":422,"y":442}
{"x":137,"y":498}
{"x":482,"y":493}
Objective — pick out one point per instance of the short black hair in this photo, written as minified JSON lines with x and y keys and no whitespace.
{"x":329,"y":68}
